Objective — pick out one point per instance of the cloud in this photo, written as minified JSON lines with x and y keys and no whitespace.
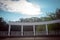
{"x":20,"y":6}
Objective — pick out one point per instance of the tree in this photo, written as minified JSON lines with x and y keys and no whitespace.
{"x":57,"y":13}
{"x":55,"y":16}
{"x":3,"y":24}
{"x":32,"y":19}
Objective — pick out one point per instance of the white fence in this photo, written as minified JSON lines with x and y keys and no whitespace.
{"x":28,"y":33}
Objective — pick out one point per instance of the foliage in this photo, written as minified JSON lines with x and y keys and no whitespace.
{"x":3,"y":24}
{"x":40,"y":28}
{"x":51,"y":16}
{"x":32,"y":19}
{"x":15,"y":28}
{"x":54,"y":16}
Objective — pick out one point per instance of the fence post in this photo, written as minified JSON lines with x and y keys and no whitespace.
{"x":21,"y":30}
{"x":46,"y":29}
{"x":9,"y":30}
{"x":34,"y":29}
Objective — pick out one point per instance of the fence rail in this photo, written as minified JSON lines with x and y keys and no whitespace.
{"x":3,"y":33}
{"x":34,"y":23}
{"x":28,"y":33}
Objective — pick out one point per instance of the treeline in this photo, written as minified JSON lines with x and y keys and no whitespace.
{"x":50,"y":16}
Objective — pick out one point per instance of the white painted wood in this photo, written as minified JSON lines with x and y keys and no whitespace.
{"x":9,"y":29}
{"x":21,"y":30}
{"x":46,"y":29}
{"x":34,"y":23}
{"x":34,"y":29}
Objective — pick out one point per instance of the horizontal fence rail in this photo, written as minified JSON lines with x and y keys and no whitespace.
{"x":3,"y":33}
{"x":34,"y":23}
{"x":15,"y":33}
{"x":28,"y":33}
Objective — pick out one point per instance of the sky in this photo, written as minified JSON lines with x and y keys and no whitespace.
{"x":12,"y":10}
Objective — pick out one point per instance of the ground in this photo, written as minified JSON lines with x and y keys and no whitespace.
{"x":31,"y":38}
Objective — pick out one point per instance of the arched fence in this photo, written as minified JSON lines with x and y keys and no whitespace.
{"x":24,"y":30}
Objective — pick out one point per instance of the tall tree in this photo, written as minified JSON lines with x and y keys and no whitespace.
{"x":55,"y":16}
{"x":3,"y":24}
